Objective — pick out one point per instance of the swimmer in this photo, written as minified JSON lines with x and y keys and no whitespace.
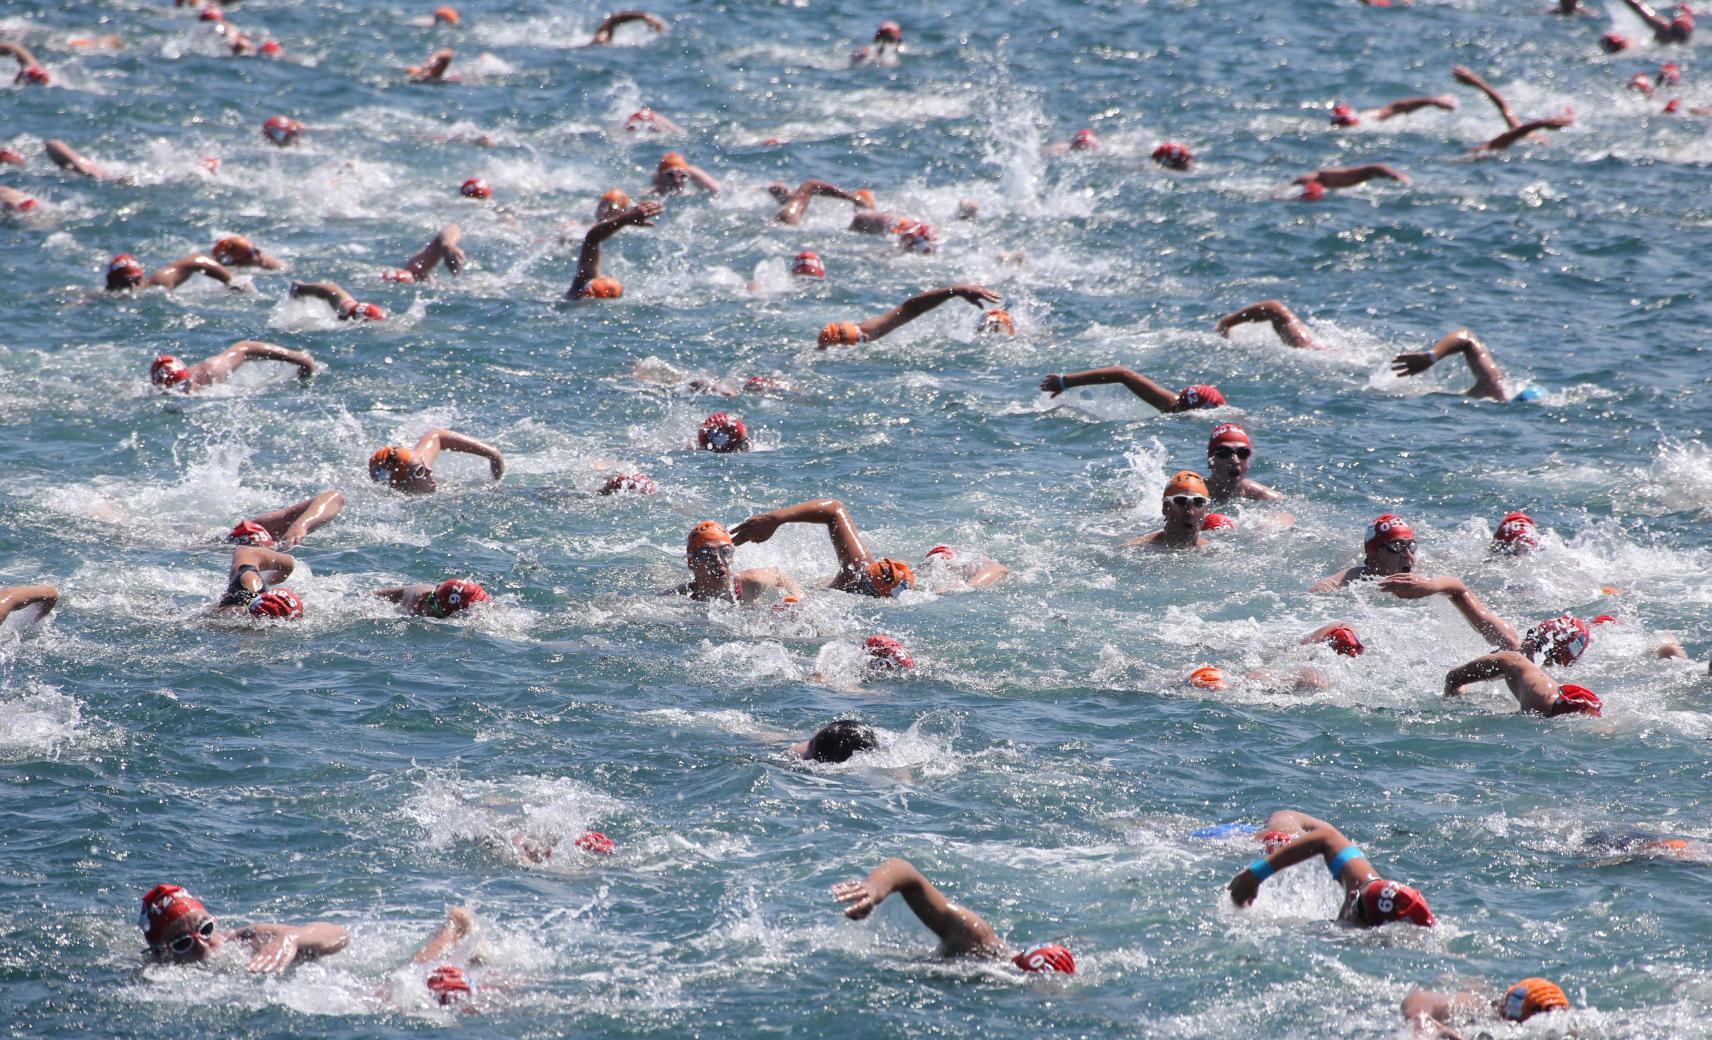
{"x":796,"y":201}
{"x":837,"y":742}
{"x":1626,"y":845}
{"x":29,"y":69}
{"x":1083,"y":141}
{"x":1340,"y":636}
{"x":1428,"y":1013}
{"x":1187,"y":399}
{"x":1673,"y":30}
{"x":1531,"y":687}
{"x":252,"y":584}
{"x":1184,"y":506}
{"x":442,"y":247}
{"x":343,"y":303}
{"x":67,"y":158}
{"x":434,"y":69}
{"x":1344,"y":115}
{"x":1369,"y":900}
{"x":282,"y":130}
{"x":1290,"y":328}
{"x":238,"y":251}
{"x":807,"y":264}
{"x":450,"y":597}
{"x":858,"y":572}
{"x":42,"y":597}
{"x":179,"y":930}
{"x":15,"y":201}
{"x":709,"y":553}
{"x":1510,"y":137}
{"x":996,"y":322}
{"x":1296,"y":680}
{"x":1174,"y":155}
{"x":962,"y":933}
{"x":674,"y":174}
{"x":589,"y":282}
{"x":888,"y":43}
{"x":285,"y":528}
{"x":975,"y":570}
{"x":649,"y":121}
{"x":1468,"y":77}
{"x":869,"y":219}
{"x":1229,"y":454}
{"x":1488,"y":378}
{"x":1389,"y":549}
{"x":722,"y":432}
{"x":411,"y":469}
{"x":848,"y":333}
{"x":169,"y":373}
{"x":611,"y":204}
{"x":449,"y":984}
{"x":603,"y":33}
{"x":124,"y":273}
{"x":1517,"y":535}
{"x":1350,"y":176}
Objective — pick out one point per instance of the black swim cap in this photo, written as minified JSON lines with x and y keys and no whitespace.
{"x":837,"y":741}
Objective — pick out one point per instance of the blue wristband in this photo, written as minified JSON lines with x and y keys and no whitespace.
{"x":1341,"y":860}
{"x":1261,"y":869}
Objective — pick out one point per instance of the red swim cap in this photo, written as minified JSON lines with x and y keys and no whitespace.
{"x":595,"y":842}
{"x":808,"y":265}
{"x":1343,"y":115}
{"x":1640,"y":83}
{"x":1577,"y":700}
{"x":126,"y":265}
{"x":7,"y":155}
{"x":25,"y":206}
{"x":1567,"y":636}
{"x":639,"y":118}
{"x":163,"y":905}
{"x":1605,"y":619}
{"x":939,"y":550}
{"x":1669,"y":72}
{"x":722,"y":432}
{"x":603,"y":288}
{"x":455,"y":595}
{"x":1208,"y":677}
{"x":400,"y":275}
{"x":1218,"y":522}
{"x":1382,"y":902}
{"x":997,"y":321}
{"x":1673,"y":106}
{"x":1084,"y":141}
{"x":886,"y":652}
{"x":1227,"y":433}
{"x":1272,"y":841}
{"x":919,"y":238}
{"x":35,"y":74}
{"x":1313,"y":191}
{"x":1612,"y":42}
{"x":449,"y":985}
{"x":168,"y":371}
{"x":269,"y":48}
{"x":889,"y":30}
{"x":280,"y":603}
{"x":1045,"y":958}
{"x":1516,"y":532}
{"x":211,"y":14}
{"x":476,"y":188}
{"x":1344,"y":640}
{"x":248,"y":532}
{"x":1387,"y":527}
{"x":1199,"y":396}
{"x":628,"y":484}
{"x":281,"y":130}
{"x":366,"y":311}
{"x":765,"y":385}
{"x":1173,"y":156}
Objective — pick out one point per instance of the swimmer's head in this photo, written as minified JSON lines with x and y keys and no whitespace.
{"x":997,"y":322}
{"x":886,"y":652}
{"x":941,"y":553}
{"x":1313,"y":191}
{"x":1272,"y":841}
{"x":281,"y":604}
{"x":1612,"y":43}
{"x":270,"y":49}
{"x":1669,"y":72}
{"x":1173,"y":156}
{"x":889,"y":32}
{"x":235,"y":252}
{"x":641,"y":119}
{"x":837,"y":741}
{"x":1531,"y":997}
{"x":1199,"y":395}
{"x":918,"y":238}
{"x":605,"y":287}
{"x":1084,"y":141}
{"x":1562,"y":640}
{"x":175,"y":924}
{"x":722,"y":432}
{"x":35,"y":74}
{"x":1343,"y":640}
{"x":248,"y":532}
{"x":1343,"y":115}
{"x":1228,"y":452}
{"x":1047,"y":957}
{"x":840,"y":334}
{"x":887,"y":577}
{"x":710,"y":551}
{"x":1577,"y":700}
{"x":1516,"y":535}
{"x":808,"y":265}
{"x":124,"y":272}
{"x":168,"y":372}
{"x":450,"y":986}
{"x":398,"y":275}
{"x":1641,"y":84}
{"x":211,"y":14}
{"x":1381,"y":902}
{"x":1218,"y":522}
{"x":611,"y":204}
{"x":475,"y":188}
{"x":281,"y":130}
{"x":628,"y":484}
{"x":1208,"y":677}
{"x":1390,"y":545}
{"x":1185,"y":491}
{"x":595,"y":843}
{"x":352,"y":310}
{"x":1683,"y":23}
{"x":454,"y":595}
{"x":445,"y":15}
{"x":671,"y":161}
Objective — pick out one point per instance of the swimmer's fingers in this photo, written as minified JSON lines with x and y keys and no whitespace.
{"x":1407,"y":586}
{"x":1053,"y":384}
{"x":1243,"y":888}
{"x":644,"y":212}
{"x":1412,"y":363}
{"x":275,"y":955}
{"x":755,"y":529}
{"x":861,"y":898}
{"x":976,"y":294}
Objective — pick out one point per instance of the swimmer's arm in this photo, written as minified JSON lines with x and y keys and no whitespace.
{"x":434,"y":68}
{"x":1659,"y":24}
{"x":1289,"y":327}
{"x":443,"y":246}
{"x":19,"y":596}
{"x":1350,"y":176}
{"x":830,"y":512}
{"x":277,"y":946}
{"x":1135,"y":382}
{"x":329,"y":292}
{"x":277,"y":565}
{"x":304,"y":517}
{"x":960,"y":931}
{"x":987,"y":575}
{"x":1426,"y":1013}
{"x":19,"y":51}
{"x":1403,"y":106}
{"x":179,"y":271}
{"x":1255,"y":490}
{"x":1320,"y":633}
{"x":588,"y":262}
{"x":756,"y":581}
{"x":217,"y":368}
{"x":705,"y":180}
{"x":459,"y":923}
{"x":1488,"y":625}
{"x":1333,"y":582}
{"x":404,"y":595}
{"x":603,"y":33}
{"x":429,"y":446}
{"x":1516,"y":133}
{"x":66,"y":158}
{"x":1322,"y":839}
{"x":920,"y":304}
{"x":871,"y":221}
{"x":1488,"y":379}
{"x":1464,"y":75}
{"x":796,"y":202}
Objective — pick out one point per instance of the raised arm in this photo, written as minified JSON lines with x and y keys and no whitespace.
{"x":1468,"y":77}
{"x":1516,"y":133}
{"x":429,"y":446}
{"x":1531,"y":687}
{"x":588,"y":261}
{"x":1486,"y":624}
{"x":443,"y":246}
{"x":916,"y":306}
{"x":239,"y":251}
{"x":66,"y":158}
{"x":1318,"y":839}
{"x":960,"y":931}
{"x":1488,"y":379}
{"x":756,"y":581}
{"x":1289,"y":327}
{"x":276,"y":946}
{"x":603,"y":33}
{"x":330,"y":292}
{"x":457,"y":926}
{"x":275,"y":566}
{"x":434,"y":69}
{"x":1138,"y":384}
{"x":1403,"y":106}
{"x":219,"y":367}
{"x":292,"y":524}
{"x":828,"y":512}
{"x":20,"y":596}
{"x":796,"y":202}
{"x":1659,"y":24}
{"x":1426,"y":1013}
{"x":179,"y":271}
{"x":1350,"y":176}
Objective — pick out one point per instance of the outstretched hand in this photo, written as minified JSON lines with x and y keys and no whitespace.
{"x":1464,"y":74}
{"x":275,"y":948}
{"x":1409,"y":586}
{"x":1243,"y":888}
{"x":1413,"y":363}
{"x":642,"y":213}
{"x":1053,"y":384}
{"x":975,"y":294}
{"x":757,"y":528}
{"x":861,"y":896}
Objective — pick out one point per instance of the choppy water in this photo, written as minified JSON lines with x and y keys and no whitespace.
{"x":1044,"y":762}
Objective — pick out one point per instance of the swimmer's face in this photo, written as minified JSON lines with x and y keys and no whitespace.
{"x":672,"y":179}
{"x":1184,"y":507}
{"x":1229,"y":462}
{"x":188,"y":939}
{"x":124,"y":279}
{"x":1394,"y":557}
{"x":712,"y":563}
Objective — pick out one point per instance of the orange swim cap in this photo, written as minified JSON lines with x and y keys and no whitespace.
{"x":444,"y":13}
{"x":233,"y":250}
{"x":997,"y":320}
{"x":617,"y":198}
{"x":1207,"y":677}
{"x":889,"y":577}
{"x":708,"y":532}
{"x":602,"y":288}
{"x":840,"y":334}
{"x":1186,"y":482}
{"x":389,"y":463}
{"x":672,"y":161}
{"x":865,"y":198}
{"x":1530,"y":997}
